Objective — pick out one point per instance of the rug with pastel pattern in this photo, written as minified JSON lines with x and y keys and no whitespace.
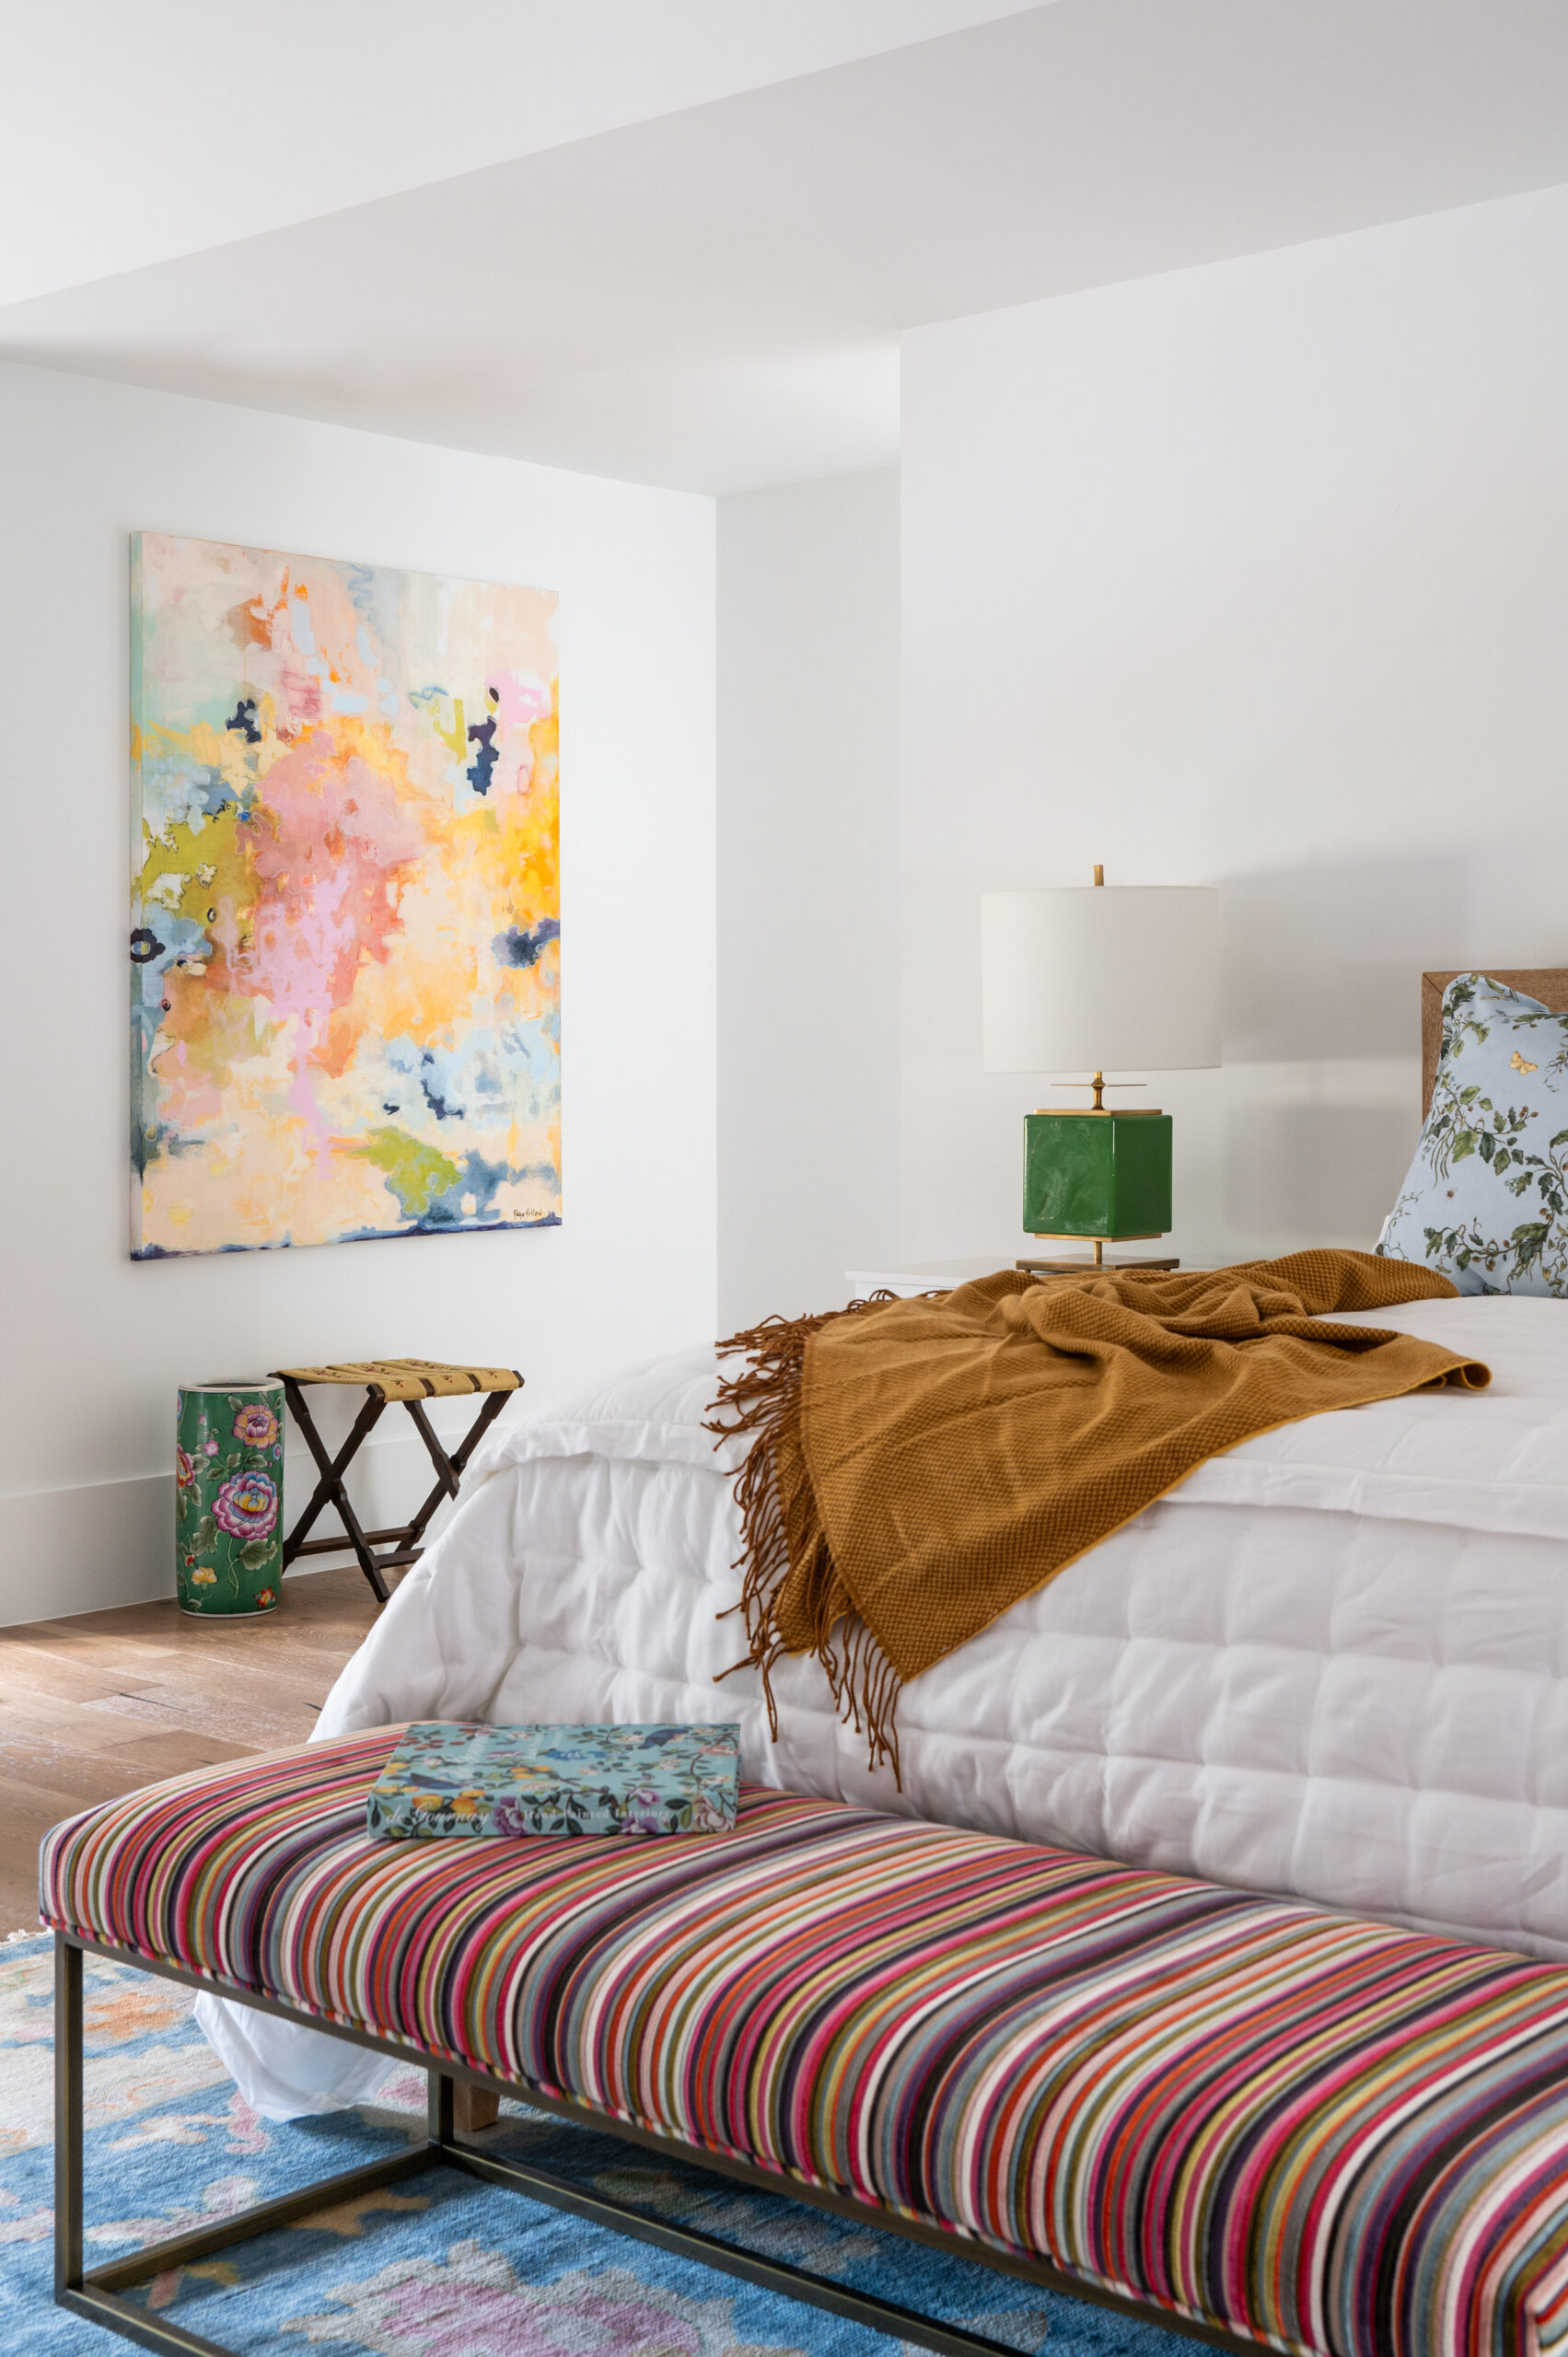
{"x":438,"y":2266}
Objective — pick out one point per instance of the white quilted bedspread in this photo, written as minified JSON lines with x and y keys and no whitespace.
{"x":1333,"y":1664}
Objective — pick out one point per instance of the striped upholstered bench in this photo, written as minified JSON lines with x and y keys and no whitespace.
{"x":1268,"y":2124}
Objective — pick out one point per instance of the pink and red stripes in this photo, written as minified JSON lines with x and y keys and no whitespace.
{"x":1329,"y":2134}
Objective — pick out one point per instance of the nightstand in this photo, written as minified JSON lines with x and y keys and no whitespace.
{"x":907,"y":1277}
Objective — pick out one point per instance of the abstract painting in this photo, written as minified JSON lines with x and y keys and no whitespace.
{"x":345,"y":916}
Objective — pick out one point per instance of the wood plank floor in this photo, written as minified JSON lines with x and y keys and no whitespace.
{"x":100,"y":1703}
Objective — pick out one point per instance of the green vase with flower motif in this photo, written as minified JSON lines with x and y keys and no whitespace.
{"x":228,"y":1499}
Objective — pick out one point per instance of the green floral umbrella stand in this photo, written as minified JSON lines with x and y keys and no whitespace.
{"x":228,"y":1498}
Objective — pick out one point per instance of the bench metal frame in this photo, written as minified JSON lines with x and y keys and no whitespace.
{"x":97,"y":2292}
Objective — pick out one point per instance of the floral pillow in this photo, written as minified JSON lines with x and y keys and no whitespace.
{"x":1486,"y":1198}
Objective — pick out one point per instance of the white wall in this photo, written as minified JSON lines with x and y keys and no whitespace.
{"x":1252,"y":574}
{"x":94,"y":1345}
{"x":807,"y":892}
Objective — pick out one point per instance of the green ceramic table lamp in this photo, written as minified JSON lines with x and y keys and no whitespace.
{"x":1090,"y":980}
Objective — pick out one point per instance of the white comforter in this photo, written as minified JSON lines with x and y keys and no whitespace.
{"x":1333,"y":1664}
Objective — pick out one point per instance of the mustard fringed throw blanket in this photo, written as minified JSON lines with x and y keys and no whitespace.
{"x":920,"y":1465}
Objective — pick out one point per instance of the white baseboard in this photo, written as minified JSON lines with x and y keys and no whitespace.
{"x":102,"y":1543}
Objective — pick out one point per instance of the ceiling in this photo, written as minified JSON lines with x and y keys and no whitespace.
{"x":679,"y":243}
{"x":130,"y":136}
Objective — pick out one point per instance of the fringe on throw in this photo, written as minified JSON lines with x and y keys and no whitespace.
{"x":791,"y":1596}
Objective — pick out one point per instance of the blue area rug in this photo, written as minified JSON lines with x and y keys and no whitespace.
{"x":437,"y":2266}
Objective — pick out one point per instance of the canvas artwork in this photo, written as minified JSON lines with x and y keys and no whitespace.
{"x":345,"y":921}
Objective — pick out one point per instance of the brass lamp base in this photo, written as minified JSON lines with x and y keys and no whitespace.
{"x":1084,"y":1268}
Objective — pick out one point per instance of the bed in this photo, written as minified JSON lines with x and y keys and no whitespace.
{"x":1332,"y":1665}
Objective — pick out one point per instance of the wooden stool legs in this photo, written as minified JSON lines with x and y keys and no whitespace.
{"x":330,"y":1490}
{"x":403,"y":1543}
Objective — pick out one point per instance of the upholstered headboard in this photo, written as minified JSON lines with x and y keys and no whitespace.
{"x":1547,"y":983}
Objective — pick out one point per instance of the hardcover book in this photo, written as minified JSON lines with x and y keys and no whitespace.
{"x":447,"y":1778}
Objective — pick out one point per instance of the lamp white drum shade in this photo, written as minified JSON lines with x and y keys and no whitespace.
{"x":1101,"y":978}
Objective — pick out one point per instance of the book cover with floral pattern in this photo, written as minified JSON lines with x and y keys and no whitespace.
{"x":450,"y":1777}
